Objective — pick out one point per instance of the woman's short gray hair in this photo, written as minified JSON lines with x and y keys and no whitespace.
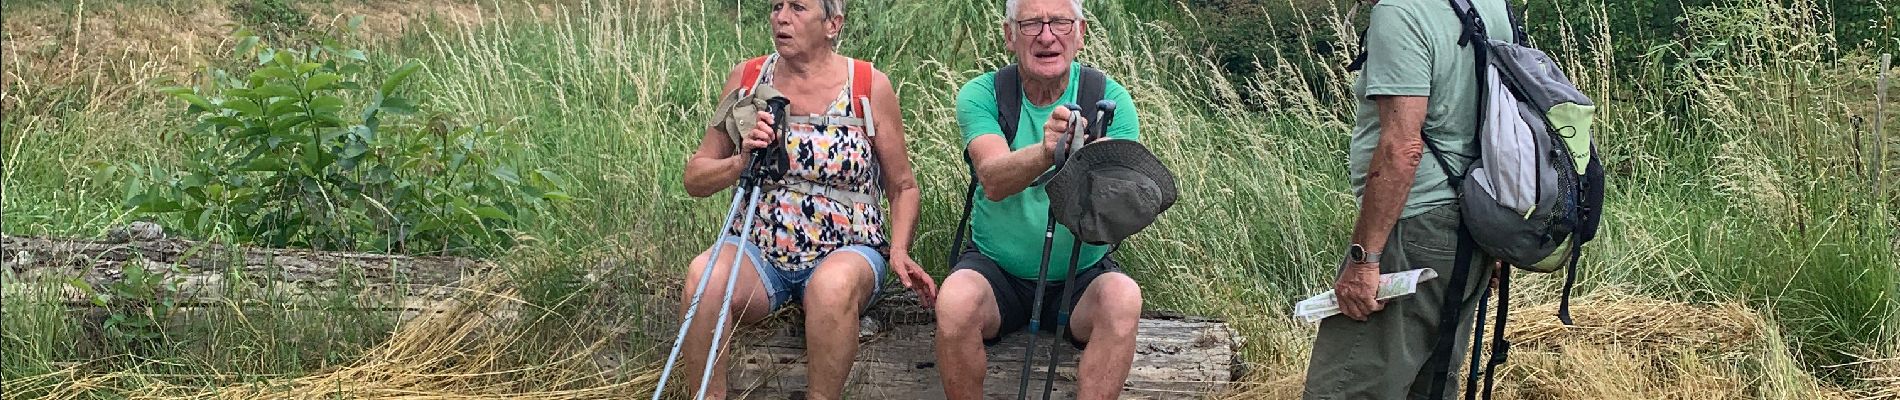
{"x":833,"y":8}
{"x":1009,"y":10}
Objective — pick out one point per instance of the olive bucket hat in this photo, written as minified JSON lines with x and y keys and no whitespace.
{"x":1109,"y":190}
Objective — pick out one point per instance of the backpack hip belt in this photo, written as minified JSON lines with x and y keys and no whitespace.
{"x":810,"y":188}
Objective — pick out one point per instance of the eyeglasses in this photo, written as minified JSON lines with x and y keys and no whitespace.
{"x":1033,"y":27}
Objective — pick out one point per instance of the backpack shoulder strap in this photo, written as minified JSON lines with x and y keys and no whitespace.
{"x":1008,"y":85}
{"x":862,"y":77}
{"x":749,"y":72}
{"x":1094,"y":87}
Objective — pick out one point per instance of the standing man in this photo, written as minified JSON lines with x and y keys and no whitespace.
{"x":990,"y":290}
{"x":1417,"y":89}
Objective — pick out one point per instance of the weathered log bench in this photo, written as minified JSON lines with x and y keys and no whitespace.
{"x":1176,"y":356}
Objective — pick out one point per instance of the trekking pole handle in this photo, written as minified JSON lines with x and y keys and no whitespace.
{"x":777,"y":106}
{"x":1070,"y":142}
{"x":1105,"y":114}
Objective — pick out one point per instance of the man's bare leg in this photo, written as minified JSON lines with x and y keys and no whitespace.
{"x":1106,"y":318}
{"x":966,"y":313}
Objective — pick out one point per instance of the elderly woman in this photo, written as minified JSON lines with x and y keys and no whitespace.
{"x":818,"y":239}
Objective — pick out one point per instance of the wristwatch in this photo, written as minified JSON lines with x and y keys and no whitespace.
{"x":1357,"y":254}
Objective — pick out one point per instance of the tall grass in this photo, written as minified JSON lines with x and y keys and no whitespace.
{"x":1732,"y":176}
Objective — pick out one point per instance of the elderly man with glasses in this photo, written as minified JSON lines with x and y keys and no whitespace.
{"x":992,"y":283}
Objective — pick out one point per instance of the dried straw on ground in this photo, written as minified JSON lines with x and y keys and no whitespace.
{"x":459,"y":353}
{"x":1626,"y":347}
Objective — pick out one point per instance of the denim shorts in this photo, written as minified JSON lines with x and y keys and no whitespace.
{"x":786,"y":287}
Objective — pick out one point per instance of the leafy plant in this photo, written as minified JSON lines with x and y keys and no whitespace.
{"x":276,"y":19}
{"x":136,"y":306}
{"x":277,"y":162}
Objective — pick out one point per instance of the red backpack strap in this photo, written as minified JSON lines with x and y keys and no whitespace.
{"x":861,"y":77}
{"x":749,"y":72}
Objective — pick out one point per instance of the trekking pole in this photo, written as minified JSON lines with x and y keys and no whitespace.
{"x":750,"y":177}
{"x":748,"y":183}
{"x":1042,"y":274}
{"x":1097,"y":130}
{"x":705,"y":276}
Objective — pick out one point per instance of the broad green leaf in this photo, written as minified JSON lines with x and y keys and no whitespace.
{"x":268,"y":73}
{"x":493,"y":213}
{"x":285,"y":105}
{"x":428,"y":225}
{"x":284,"y":125}
{"x":264,"y":57}
{"x":356,"y":22}
{"x":506,"y":174}
{"x":559,"y":182}
{"x":267,"y":164}
{"x":355,"y":54}
{"x":245,"y":106}
{"x":326,"y":104}
{"x":284,"y":58}
{"x":204,"y":220}
{"x":557,"y":196}
{"x":363,"y":133}
{"x":254,"y":131}
{"x":320,"y":82}
{"x":200,"y":102}
{"x":246,"y":44}
{"x":305,"y":68}
{"x":329,"y":120}
{"x":401,"y":74}
{"x":177,"y":90}
{"x":277,"y":90}
{"x":398,"y":106}
{"x":153,"y":204}
{"x":225,"y":122}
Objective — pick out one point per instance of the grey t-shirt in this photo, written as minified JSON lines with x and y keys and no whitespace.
{"x":1412,"y":50}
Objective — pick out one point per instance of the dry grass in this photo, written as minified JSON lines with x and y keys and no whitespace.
{"x":464,"y":351}
{"x":1625,"y":347}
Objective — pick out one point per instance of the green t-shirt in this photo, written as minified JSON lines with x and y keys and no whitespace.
{"x":1412,"y":50}
{"x":1011,"y":231}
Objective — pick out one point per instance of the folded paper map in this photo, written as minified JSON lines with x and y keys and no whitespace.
{"x":1393,"y":285}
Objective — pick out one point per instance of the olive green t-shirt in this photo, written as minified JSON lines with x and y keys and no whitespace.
{"x":1010,"y":232}
{"x":1412,"y":50}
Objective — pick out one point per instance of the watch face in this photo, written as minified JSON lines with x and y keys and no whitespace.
{"x":1356,"y":253}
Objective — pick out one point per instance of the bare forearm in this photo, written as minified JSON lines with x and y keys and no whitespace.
{"x":708,"y":175}
{"x":1394,"y":167}
{"x":1010,"y":174}
{"x":904,"y":209}
{"x":1387,"y":186}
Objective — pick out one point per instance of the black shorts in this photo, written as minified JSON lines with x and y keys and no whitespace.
{"x":1016,"y":297}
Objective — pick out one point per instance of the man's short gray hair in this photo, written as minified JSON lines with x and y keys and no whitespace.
{"x":1009,"y":10}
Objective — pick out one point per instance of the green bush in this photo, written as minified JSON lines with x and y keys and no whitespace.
{"x":277,"y":163}
{"x":135,"y":307}
{"x":276,"y":20}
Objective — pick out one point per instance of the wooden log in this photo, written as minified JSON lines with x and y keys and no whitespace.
{"x":1175,"y":357}
{"x":208,"y":274}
